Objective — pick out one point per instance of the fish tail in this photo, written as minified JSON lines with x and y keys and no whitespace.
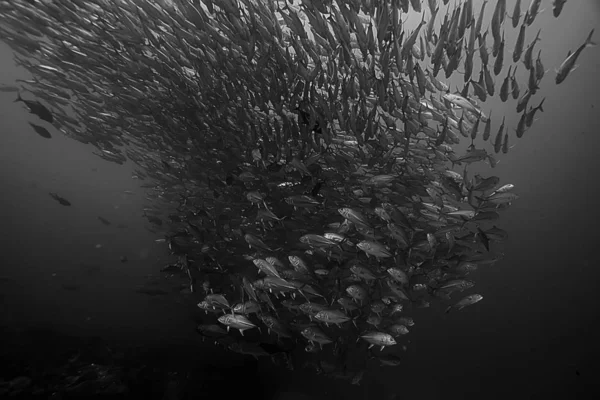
{"x":589,"y":41}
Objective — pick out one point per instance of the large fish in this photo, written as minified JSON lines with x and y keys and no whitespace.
{"x":568,"y":64}
{"x":37,"y":108}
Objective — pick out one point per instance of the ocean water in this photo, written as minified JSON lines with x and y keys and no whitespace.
{"x":64,"y":288}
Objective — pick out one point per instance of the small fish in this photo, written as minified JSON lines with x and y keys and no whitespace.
{"x":398,"y":275}
{"x":336,"y":317}
{"x":375,"y":249}
{"x":518,"y":50}
{"x":353,"y":216}
{"x":302,"y":201}
{"x":376,"y":338}
{"x":398,"y":329}
{"x":466,"y":301}
{"x":390,"y":360}
{"x":557,"y":6}
{"x":104,"y":221}
{"x":211,"y":330}
{"x":299,"y":165}
{"x":531,"y":113}
{"x":248,"y":307}
{"x":358,"y":377}
{"x":266,"y":267}
{"x":516,"y":15}
{"x":314,"y":334}
{"x":498,"y":140}
{"x":528,"y":56}
{"x":236,"y":321}
{"x":357,"y":292}
{"x":255,"y":242}
{"x":255,"y":197}
{"x":40,"y":130}
{"x":61,"y":200}
{"x":484,"y":239}
{"x":381,"y":179}
{"x":532,"y":12}
{"x":505,"y":144}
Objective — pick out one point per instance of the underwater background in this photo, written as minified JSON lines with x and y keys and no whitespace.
{"x":69,"y":280}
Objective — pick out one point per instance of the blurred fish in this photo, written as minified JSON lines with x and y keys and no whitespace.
{"x":40,"y":130}
{"x":104,"y":221}
{"x":61,"y":200}
{"x":37,"y":108}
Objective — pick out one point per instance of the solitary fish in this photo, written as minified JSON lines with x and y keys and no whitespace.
{"x":104,"y":221}
{"x":40,"y":130}
{"x":569,"y":64}
{"x":37,"y":108}
{"x":61,"y":200}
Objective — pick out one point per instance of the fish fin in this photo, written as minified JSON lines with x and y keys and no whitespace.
{"x":589,"y":41}
{"x":19,"y":98}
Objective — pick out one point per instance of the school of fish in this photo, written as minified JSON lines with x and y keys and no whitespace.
{"x":298,"y":156}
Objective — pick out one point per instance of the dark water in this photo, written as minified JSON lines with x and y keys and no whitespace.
{"x":535,"y":335}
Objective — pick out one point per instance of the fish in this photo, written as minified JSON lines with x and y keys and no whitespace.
{"x":316,"y":335}
{"x":498,"y":140}
{"x":255,"y":242}
{"x":374,"y":249}
{"x":516,"y":15}
{"x":61,"y":200}
{"x":568,"y":64}
{"x":505,"y":86}
{"x":528,"y":56}
{"x":532,"y":12}
{"x":40,"y":130}
{"x":557,"y":6}
{"x":336,"y":317}
{"x":464,"y":302}
{"x":497,"y":20}
{"x":104,"y":221}
{"x":37,"y":108}
{"x":236,"y":321}
{"x":316,"y":140}
{"x":375,"y":338}
{"x":529,"y":116}
{"x":266,"y":267}
{"x":518,"y":50}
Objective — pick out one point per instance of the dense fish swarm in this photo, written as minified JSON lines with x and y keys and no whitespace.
{"x":301,"y":155}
